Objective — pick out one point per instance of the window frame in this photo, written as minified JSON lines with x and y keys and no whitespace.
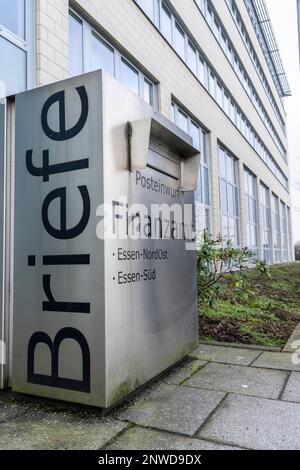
{"x":204,"y":167}
{"x":28,"y":44}
{"x":229,"y":183}
{"x":266,"y":218}
{"x":253,"y":200}
{"x":88,"y":32}
{"x":276,"y":228}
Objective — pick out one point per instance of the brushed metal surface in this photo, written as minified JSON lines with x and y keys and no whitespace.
{"x":127,"y":332}
{"x":3,"y":336}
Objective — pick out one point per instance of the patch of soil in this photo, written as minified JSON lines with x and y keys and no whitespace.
{"x":282,"y":314}
{"x":226,"y":330}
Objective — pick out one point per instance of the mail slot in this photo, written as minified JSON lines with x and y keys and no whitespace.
{"x":163,"y":160}
{"x":104,"y":300}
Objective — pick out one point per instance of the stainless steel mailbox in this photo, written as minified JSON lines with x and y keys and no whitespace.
{"x":96,"y":317}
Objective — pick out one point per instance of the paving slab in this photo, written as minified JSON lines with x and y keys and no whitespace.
{"x":255,"y":423}
{"x":172,"y":408}
{"x":239,"y":379}
{"x":138,"y":438}
{"x":291,"y":344}
{"x":276,"y":360}
{"x":227,"y":355}
{"x":292,"y":388}
{"x":57,"y":431}
{"x":182,"y":373}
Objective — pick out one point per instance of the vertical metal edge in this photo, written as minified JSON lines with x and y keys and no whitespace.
{"x":9,"y":231}
{"x":3,"y":328}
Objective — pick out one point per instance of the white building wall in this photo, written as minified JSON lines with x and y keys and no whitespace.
{"x":131,"y":31}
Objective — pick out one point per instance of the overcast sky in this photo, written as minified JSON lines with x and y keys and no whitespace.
{"x":283,"y":15}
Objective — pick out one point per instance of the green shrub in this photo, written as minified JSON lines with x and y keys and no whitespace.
{"x":222,"y":266}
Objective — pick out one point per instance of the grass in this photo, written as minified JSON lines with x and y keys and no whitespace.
{"x":266,"y":314}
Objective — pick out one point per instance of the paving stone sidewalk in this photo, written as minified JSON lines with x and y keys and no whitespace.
{"x":221,"y":397}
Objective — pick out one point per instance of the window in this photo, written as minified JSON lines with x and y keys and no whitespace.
{"x":129,"y":76}
{"x":201,"y":70}
{"x":182,"y":120}
{"x":266,"y":223}
{"x":216,"y":29}
{"x":148,"y":7}
{"x":238,"y":120}
{"x":230,"y":54}
{"x":228,"y":196}
{"x":290,"y":234}
{"x":17,"y":39}
{"x":13,"y":67}
{"x":276,"y":228}
{"x":95,"y":52}
{"x":76,"y":45}
{"x":209,"y":15}
{"x":202,"y":193}
{"x":284,"y":233}
{"x":179,"y":41}
{"x":201,"y":5}
{"x":148,"y":91}
{"x":212,"y":84}
{"x":219,"y":96}
{"x":12,"y":16}
{"x":195,"y":134}
{"x":166,"y":23}
{"x":102,"y":55}
{"x":192,"y":57}
{"x":232,"y":112}
{"x":223,"y":42}
{"x":226,"y":104}
{"x":251,"y":210}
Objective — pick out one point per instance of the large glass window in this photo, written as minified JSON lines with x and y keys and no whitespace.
{"x":266,"y":223}
{"x":219,"y":94}
{"x":251,"y":210}
{"x":290,"y":241}
{"x":276,"y":228}
{"x":148,"y":7}
{"x":148,"y":91}
{"x":166,"y":23}
{"x":284,"y":232}
{"x":228,"y":195}
{"x":129,"y":76}
{"x":102,"y":55}
{"x":201,"y":70}
{"x":76,"y":45}
{"x":179,"y":40}
{"x":13,"y":67}
{"x":17,"y":31}
{"x":202,"y":193}
{"x":212,"y":84}
{"x":95,"y":52}
{"x":192,"y":58}
{"x":12,"y":16}
{"x":182,"y":120}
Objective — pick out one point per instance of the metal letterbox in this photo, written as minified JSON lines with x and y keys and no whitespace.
{"x":98,"y":313}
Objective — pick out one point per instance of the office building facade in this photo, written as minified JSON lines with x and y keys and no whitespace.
{"x":212,"y":67}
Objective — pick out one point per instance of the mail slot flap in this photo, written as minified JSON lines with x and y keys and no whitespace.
{"x":160,"y":159}
{"x":172,"y":138}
